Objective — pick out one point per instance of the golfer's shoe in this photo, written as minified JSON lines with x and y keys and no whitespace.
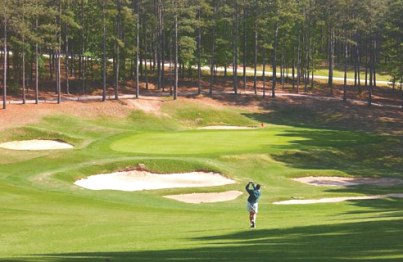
{"x":252,"y":225}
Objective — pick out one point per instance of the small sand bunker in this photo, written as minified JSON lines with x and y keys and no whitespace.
{"x":142,"y":180}
{"x":334,"y":199}
{"x":227,"y":127}
{"x":197,"y":198}
{"x":35,"y":144}
{"x":348,"y":181}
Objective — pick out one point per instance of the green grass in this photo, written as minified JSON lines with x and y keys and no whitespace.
{"x":44,"y":217}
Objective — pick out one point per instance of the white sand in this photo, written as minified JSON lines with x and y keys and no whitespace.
{"x":197,"y":198}
{"x":227,"y":127}
{"x":35,"y":144}
{"x":334,"y":199}
{"x":348,"y":181}
{"x":142,"y":180}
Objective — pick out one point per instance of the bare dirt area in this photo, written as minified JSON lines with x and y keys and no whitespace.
{"x":348,"y":181}
{"x":19,"y":115}
{"x":198,"y":198}
{"x":136,"y":180}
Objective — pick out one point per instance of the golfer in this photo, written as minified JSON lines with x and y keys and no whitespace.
{"x":252,"y":204}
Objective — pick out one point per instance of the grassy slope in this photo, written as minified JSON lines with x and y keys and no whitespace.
{"x":45,"y":218}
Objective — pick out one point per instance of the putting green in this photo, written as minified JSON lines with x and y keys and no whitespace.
{"x":198,"y":142}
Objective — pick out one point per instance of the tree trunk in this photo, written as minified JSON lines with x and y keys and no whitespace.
{"x":118,"y":6}
{"x":264,"y":73}
{"x":293,"y":71}
{"x":159,"y":43}
{"x":255,"y":59}
{"x":212,"y":73}
{"x":298,"y":64}
{"x":273,"y":90}
{"x":345,"y":70}
{"x":244,"y":45}
{"x":199,"y":35}
{"x":59,"y":47}
{"x":138,"y":49}
{"x":36,"y":66}
{"x":23,"y":70}
{"x":103,"y":52}
{"x":359,"y":65}
{"x":370,"y":77}
{"x":5,"y":59}
{"x":235,"y":48}
{"x":331,"y":60}
{"x":175,"y":94}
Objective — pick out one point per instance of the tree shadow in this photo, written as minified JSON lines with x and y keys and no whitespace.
{"x":355,"y":153}
{"x":368,"y":241}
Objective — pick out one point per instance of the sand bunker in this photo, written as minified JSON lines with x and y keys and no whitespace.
{"x":35,"y":144}
{"x":142,"y":180}
{"x":348,"y":181}
{"x":343,"y":181}
{"x":334,"y":199}
{"x":197,"y":198}
{"x":227,"y":127}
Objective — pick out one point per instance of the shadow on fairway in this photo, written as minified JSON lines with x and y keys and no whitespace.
{"x":367,"y":241}
{"x":355,"y":153}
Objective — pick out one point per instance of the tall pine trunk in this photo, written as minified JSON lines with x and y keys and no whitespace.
{"x":264,"y":73}
{"x":345,"y":69}
{"x":235,"y":48}
{"x":331,"y":59}
{"x":137,"y":49}
{"x":244,"y":44}
{"x":103,"y":52}
{"x":59,"y":40}
{"x":23,"y":69}
{"x":36,"y":65}
{"x":117,"y":49}
{"x":255,"y":50}
{"x":199,"y":35}
{"x":175,"y":94}
{"x":5,"y":59}
{"x":273,"y":90}
{"x":212,"y":73}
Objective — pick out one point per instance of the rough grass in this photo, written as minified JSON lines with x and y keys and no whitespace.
{"x":44,"y":217}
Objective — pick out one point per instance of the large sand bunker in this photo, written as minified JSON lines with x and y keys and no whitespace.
{"x":227,"y":127}
{"x":348,"y":181}
{"x":334,"y":199}
{"x":142,"y":180}
{"x":197,"y":198}
{"x":343,"y":181}
{"x":35,"y":144}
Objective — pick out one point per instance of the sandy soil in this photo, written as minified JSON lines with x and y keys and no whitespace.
{"x":198,"y":198}
{"x":334,"y":199}
{"x":35,"y":145}
{"x":142,"y":180}
{"x":227,"y":127}
{"x":348,"y":181}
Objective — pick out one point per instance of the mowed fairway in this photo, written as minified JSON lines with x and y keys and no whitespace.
{"x":207,"y":142}
{"x":45,"y":217}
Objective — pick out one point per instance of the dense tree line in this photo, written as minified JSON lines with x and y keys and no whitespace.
{"x":112,"y":41}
